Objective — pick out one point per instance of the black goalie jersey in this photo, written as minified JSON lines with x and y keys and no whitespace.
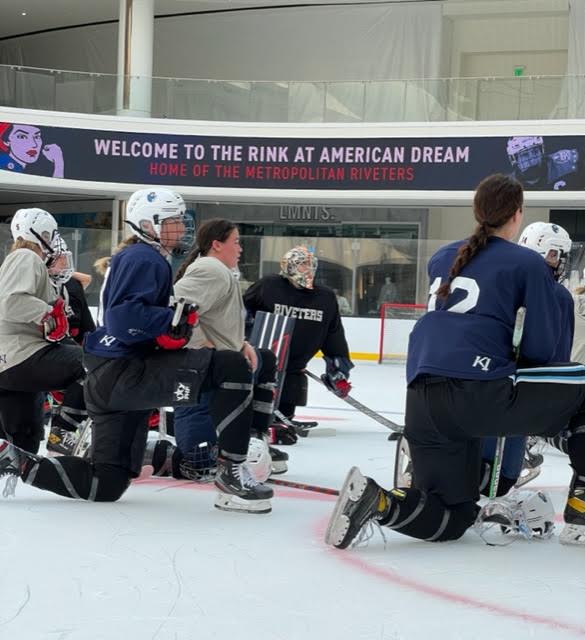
{"x":318,"y":324}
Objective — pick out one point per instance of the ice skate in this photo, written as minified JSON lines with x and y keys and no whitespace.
{"x":402,"y":464}
{"x":239,"y":490}
{"x":13,"y":462}
{"x":360,"y":501}
{"x":574,"y":529}
{"x":61,"y":442}
{"x":532,"y":462}
{"x":279,"y":460}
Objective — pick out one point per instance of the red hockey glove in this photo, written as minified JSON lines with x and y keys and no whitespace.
{"x":182,"y":325}
{"x":337,"y":383}
{"x":54,"y":324}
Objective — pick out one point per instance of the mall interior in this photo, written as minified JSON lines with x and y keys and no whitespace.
{"x":406,"y":104}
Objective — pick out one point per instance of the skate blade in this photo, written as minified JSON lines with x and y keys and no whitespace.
{"x":352,"y":490}
{"x":229,"y":502}
{"x":319,"y":431}
{"x":573,"y":534}
{"x":278,"y":468}
{"x":526,"y":478}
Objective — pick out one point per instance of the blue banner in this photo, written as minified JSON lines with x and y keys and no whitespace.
{"x":541,"y":163}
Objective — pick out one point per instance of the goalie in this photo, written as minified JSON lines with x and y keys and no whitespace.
{"x":318,"y":326}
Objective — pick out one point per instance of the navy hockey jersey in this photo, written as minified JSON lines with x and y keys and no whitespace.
{"x":134,"y":305}
{"x":468,"y":335}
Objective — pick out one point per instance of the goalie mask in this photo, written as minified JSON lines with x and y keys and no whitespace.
{"x":299,"y":265}
{"x":526,"y":153}
{"x":551,"y":242}
{"x":60,"y":262}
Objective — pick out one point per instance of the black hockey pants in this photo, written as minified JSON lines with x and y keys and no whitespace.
{"x":445,"y":420}
{"x":120,"y":394}
{"x":23,"y":389}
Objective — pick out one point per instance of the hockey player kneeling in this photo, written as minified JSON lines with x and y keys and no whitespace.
{"x":136,"y":362}
{"x":463,"y":384}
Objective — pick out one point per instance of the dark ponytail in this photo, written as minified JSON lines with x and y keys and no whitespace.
{"x":497,"y":198}
{"x":215,"y":229}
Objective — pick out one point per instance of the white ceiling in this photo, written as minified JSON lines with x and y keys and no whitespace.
{"x":51,"y":14}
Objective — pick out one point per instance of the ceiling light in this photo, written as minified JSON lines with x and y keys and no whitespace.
{"x":23,"y":13}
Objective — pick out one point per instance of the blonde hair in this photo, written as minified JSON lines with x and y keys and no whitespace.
{"x":101,"y":265}
{"x":21,"y":243}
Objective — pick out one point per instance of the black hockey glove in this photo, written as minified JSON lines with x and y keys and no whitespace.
{"x":336,"y":376}
{"x":184,"y":321}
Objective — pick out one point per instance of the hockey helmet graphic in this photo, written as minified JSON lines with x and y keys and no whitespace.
{"x":525,"y":152}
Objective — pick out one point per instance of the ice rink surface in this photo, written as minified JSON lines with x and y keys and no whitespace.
{"x":163,"y":564}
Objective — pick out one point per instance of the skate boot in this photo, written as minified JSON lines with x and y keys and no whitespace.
{"x":239,"y":490}
{"x":402,"y":464}
{"x":159,"y":454}
{"x":574,"y":529}
{"x":279,"y":460}
{"x":360,"y":501}
{"x":61,"y":442}
{"x":532,"y":462}
{"x":282,"y":434}
{"x":14,"y":462}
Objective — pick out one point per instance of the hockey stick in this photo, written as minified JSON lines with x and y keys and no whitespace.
{"x":303,"y":486}
{"x":356,"y":404}
{"x":501,"y":441}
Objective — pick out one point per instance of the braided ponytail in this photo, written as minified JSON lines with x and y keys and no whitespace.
{"x":497,"y":198}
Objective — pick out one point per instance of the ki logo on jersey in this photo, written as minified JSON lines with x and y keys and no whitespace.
{"x":182,"y":392}
{"x":483,"y":362}
{"x":108,"y":340}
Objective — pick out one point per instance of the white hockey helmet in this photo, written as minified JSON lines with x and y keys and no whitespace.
{"x":534,"y":513}
{"x":299,"y":265}
{"x":259,"y":460}
{"x":550,"y":241}
{"x":153,"y":205}
{"x":35,"y":225}
{"x":525,"y":152}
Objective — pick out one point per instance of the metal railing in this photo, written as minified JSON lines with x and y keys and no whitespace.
{"x":422,"y":100}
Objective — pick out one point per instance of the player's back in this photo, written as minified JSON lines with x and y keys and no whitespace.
{"x":469,"y":334}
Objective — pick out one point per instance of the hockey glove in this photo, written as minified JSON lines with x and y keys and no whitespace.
{"x":181,"y":329}
{"x":54,"y":324}
{"x":336,"y":377}
{"x":279,"y":433}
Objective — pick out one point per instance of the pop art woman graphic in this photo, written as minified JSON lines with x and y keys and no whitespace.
{"x":22,"y":145}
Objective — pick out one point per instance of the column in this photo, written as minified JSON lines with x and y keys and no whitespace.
{"x":135,"y":55}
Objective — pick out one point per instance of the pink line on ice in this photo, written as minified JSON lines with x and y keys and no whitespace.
{"x":393,"y":577}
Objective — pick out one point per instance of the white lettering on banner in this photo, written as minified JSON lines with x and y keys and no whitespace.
{"x":136,"y":149}
{"x":483,"y":362}
{"x":299,"y":312}
{"x":439,"y":154}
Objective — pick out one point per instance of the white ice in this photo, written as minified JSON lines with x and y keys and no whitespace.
{"x":163,"y":564}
